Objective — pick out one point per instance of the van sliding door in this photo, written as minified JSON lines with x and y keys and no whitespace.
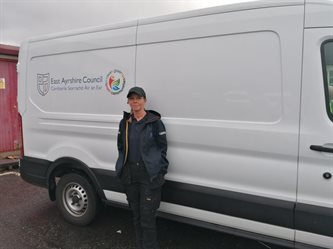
{"x":314,"y":209}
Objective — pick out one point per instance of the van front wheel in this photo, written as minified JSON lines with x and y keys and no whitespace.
{"x":76,"y":199}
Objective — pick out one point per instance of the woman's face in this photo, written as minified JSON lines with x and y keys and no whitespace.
{"x":136,"y":102}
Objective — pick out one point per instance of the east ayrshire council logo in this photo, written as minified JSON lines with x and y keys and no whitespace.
{"x":43,"y":83}
{"x":115,"y":82}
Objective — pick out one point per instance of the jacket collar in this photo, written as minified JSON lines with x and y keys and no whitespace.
{"x":151,"y":117}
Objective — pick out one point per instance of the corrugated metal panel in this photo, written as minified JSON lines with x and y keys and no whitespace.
{"x":10,"y":130}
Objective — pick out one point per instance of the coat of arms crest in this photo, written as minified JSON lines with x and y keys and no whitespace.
{"x":43,"y":83}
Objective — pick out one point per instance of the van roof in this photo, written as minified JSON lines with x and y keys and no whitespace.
{"x":222,"y":9}
{"x":180,"y":15}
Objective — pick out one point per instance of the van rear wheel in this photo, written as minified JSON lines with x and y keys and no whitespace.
{"x":76,"y":199}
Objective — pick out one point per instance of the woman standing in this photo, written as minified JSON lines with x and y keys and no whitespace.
{"x":142,"y":164}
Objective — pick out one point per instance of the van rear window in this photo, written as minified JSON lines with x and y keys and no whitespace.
{"x":327,"y":58}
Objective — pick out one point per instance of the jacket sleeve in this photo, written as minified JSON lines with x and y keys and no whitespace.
{"x":163,"y":145}
{"x":120,"y":142}
{"x":120,"y":145}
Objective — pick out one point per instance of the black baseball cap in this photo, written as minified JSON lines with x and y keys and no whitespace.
{"x":137,"y":90}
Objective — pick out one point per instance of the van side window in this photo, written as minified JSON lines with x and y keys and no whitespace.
{"x":327,"y":59}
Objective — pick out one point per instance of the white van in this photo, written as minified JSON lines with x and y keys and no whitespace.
{"x":245,"y":92}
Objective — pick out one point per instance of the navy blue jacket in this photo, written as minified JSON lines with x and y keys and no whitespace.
{"x":153,"y":145}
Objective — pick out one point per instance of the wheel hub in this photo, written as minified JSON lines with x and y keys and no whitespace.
{"x":75,"y":199}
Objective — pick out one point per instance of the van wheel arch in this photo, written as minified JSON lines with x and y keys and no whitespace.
{"x":67,"y":165}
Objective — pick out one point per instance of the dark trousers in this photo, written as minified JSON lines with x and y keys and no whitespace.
{"x":143,"y":201}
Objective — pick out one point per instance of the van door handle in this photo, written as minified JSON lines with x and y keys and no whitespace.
{"x":321,"y":148}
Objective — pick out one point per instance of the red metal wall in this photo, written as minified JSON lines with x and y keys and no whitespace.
{"x":10,"y":126}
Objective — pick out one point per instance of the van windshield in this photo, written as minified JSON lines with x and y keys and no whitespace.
{"x":327,"y":58}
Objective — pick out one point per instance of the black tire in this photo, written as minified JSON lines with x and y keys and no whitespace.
{"x":76,"y":199}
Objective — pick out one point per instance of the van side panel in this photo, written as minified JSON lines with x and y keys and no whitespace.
{"x":318,"y":13}
{"x":228,"y":86}
{"x":75,"y":108}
